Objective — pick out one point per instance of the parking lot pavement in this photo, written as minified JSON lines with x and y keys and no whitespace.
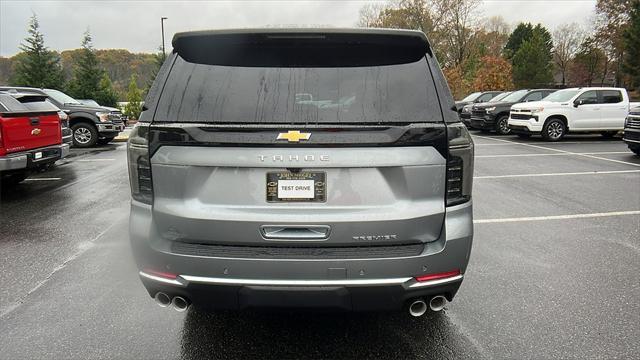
{"x":553,"y":272}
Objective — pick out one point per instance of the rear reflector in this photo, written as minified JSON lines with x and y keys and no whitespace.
{"x":161,"y":274}
{"x":438,"y":276}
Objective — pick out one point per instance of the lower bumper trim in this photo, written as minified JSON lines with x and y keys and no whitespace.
{"x":184,"y":280}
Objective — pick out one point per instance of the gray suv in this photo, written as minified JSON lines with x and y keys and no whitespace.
{"x":301,"y":168}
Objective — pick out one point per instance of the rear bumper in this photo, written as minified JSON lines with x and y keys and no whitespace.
{"x":345,"y":295}
{"x":29,"y":159}
{"x":369,"y":284}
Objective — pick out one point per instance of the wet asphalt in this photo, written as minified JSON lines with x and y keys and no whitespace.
{"x":536,"y":287}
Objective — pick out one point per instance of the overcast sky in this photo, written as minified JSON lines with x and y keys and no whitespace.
{"x":135,"y":25}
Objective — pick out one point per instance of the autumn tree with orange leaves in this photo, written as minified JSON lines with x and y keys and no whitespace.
{"x":494,"y":73}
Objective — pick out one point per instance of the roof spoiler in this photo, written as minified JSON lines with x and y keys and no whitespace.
{"x":302,"y":47}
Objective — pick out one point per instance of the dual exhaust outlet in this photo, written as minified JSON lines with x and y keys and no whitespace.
{"x":418,"y":307}
{"x":178,"y":303}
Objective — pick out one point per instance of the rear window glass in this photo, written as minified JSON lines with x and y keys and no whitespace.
{"x":611,"y":96}
{"x":25,"y":104}
{"x":398,"y":93}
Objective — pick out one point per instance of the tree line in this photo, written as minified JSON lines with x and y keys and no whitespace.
{"x":476,"y":53}
{"x":487,"y":54}
{"x":107,"y":76}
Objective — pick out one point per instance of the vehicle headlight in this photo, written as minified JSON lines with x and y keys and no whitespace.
{"x":102,"y":116}
{"x":537,"y":110}
{"x":490,"y":109}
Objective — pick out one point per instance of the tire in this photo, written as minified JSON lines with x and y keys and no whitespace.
{"x":608,"y":134}
{"x":635,"y":149}
{"x":105,"y":141}
{"x":524,"y":136}
{"x":13,"y":179}
{"x":502,"y":125}
{"x":84,"y":135}
{"x":554,"y":130}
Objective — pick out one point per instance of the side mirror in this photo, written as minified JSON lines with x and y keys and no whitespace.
{"x":577,"y":103}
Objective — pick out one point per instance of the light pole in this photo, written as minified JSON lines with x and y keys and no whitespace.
{"x":162,"y":19}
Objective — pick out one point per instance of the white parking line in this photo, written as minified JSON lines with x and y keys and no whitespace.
{"x":556,"y":143}
{"x":558,"y":174}
{"x":92,"y":160}
{"x":553,"y":154}
{"x":557,"y":217}
{"x":563,"y":151}
{"x":43,"y":179}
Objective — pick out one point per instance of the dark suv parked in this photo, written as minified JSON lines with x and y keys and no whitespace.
{"x":495,"y":115}
{"x":632,"y":130}
{"x":90,"y":125}
{"x":476,"y":97}
{"x":301,"y":168}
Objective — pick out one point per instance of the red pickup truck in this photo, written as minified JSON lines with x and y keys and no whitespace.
{"x":30,"y":136}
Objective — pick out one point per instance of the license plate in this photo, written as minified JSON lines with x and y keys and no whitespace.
{"x":303,"y":186}
{"x":37,"y":155}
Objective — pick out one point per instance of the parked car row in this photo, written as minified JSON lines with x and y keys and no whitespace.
{"x":91,"y":124}
{"x":550,"y":113}
{"x":31,"y":136}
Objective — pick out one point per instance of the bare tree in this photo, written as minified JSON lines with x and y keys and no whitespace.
{"x":567,"y":39}
{"x":448,"y":23}
{"x":458,"y":28}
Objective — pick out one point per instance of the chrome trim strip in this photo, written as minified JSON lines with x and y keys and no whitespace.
{"x":161,"y":279}
{"x":261,"y":282}
{"x":629,"y":140}
{"x":436,"y":282}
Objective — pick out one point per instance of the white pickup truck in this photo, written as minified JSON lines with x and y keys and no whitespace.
{"x":588,"y":109}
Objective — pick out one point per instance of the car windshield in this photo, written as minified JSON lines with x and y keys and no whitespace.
{"x":515,"y":96}
{"x":562,"y":95}
{"x":61,"y":97}
{"x":500,"y":96}
{"x":472,"y":97}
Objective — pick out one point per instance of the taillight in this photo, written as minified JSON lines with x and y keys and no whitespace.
{"x":139,"y":164}
{"x":438,"y":276}
{"x":1,"y":145}
{"x":459,"y":164}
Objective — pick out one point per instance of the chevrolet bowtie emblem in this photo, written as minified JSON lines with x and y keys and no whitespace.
{"x":36,"y":131}
{"x":293,"y":136}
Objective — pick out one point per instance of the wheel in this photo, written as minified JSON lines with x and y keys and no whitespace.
{"x":13,"y":178}
{"x":554,"y":130}
{"x":105,"y":141}
{"x":635,"y":149}
{"x":524,"y":136}
{"x":502,"y":125}
{"x":84,"y":135}
{"x":608,"y":134}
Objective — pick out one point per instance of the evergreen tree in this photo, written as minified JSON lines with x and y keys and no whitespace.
{"x":134,"y":98}
{"x":85,"y":81}
{"x":532,"y":63}
{"x":38,"y":67}
{"x":631,"y":37}
{"x":106,"y":95}
{"x":520,"y":34}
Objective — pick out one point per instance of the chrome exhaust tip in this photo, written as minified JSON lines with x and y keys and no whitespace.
{"x":180,"y":304}
{"x":437,"y":303}
{"x":162,"y":299}
{"x":417,"y":308}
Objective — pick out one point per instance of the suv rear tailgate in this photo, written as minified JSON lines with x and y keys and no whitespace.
{"x":373,"y":195}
